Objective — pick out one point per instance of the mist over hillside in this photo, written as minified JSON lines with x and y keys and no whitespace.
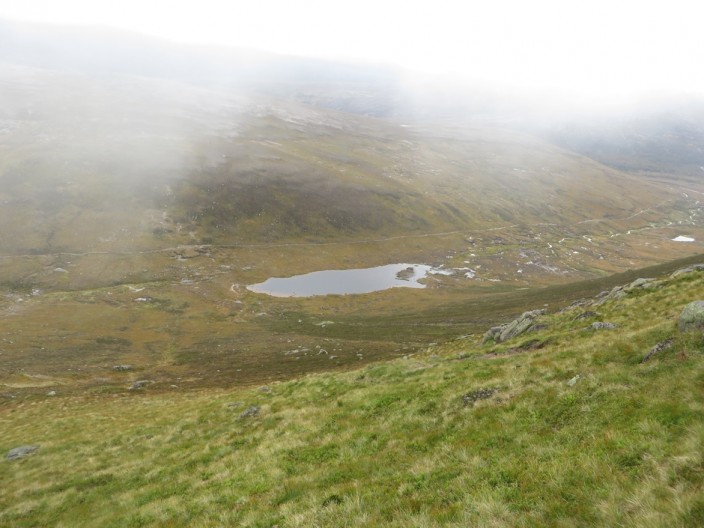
{"x":660,"y":134}
{"x":146,"y":184}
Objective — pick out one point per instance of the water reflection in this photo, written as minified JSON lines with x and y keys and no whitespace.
{"x":340,"y":282}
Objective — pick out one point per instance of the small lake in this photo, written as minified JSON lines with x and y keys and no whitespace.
{"x":339,"y":282}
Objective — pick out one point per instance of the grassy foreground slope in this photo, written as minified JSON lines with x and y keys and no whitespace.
{"x":460,"y":435}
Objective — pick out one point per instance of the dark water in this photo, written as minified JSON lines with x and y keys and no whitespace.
{"x":340,"y":282}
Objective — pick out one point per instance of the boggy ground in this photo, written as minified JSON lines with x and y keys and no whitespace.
{"x":565,"y":426}
{"x":184,"y":322}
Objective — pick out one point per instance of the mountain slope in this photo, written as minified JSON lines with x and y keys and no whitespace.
{"x":133,"y":163}
{"x":565,"y":426}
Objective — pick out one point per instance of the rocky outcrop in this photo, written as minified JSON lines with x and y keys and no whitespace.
{"x":689,"y":269}
{"x":504,"y":332}
{"x":692,"y":317}
{"x":619,"y":292}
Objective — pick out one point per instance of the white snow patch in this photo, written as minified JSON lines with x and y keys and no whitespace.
{"x":682,"y":238}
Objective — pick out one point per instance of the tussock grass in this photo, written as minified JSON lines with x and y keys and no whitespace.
{"x":395,"y":443}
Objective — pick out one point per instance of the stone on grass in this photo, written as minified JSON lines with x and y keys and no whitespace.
{"x":480,"y":394}
{"x":21,"y":452}
{"x":122,"y":368}
{"x":663,"y":345}
{"x":599,"y":325}
{"x":513,"y":329}
{"x":140,"y":384}
{"x":692,"y":317}
{"x":572,"y":382}
{"x":250,"y":412}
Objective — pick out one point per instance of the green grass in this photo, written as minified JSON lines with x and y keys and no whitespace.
{"x":393,"y":443}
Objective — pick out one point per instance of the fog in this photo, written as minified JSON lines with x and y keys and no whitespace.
{"x":593,"y":50}
{"x":133,"y":116}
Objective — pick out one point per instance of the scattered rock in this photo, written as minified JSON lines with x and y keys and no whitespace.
{"x":21,"y":452}
{"x":60,"y":270}
{"x":264,"y":388}
{"x":140,"y":384}
{"x":572,"y":382}
{"x":51,"y":393}
{"x":619,"y":292}
{"x":578,"y":302}
{"x":602,"y":294}
{"x":640,"y":283}
{"x":692,"y":317}
{"x":480,"y":394}
{"x":122,"y":368}
{"x":250,"y":412}
{"x":586,"y":315}
{"x":234,"y":405}
{"x":602,"y":326}
{"x":616,"y":293}
{"x":663,"y":345}
{"x":514,"y":328}
{"x":689,"y":269}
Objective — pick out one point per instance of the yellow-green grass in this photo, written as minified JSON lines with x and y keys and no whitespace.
{"x":395,"y":443}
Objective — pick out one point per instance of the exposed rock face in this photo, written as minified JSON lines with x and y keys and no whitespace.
{"x":619,"y":292}
{"x":514,"y":328}
{"x":692,"y":317}
{"x":21,"y":452}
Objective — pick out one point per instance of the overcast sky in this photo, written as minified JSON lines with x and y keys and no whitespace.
{"x":610,"y":47}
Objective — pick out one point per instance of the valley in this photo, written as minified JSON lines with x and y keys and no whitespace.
{"x":239,"y":288}
{"x":130,"y":235}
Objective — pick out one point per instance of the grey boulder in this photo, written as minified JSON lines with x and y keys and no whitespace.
{"x":692,"y":317}
{"x":21,"y":452}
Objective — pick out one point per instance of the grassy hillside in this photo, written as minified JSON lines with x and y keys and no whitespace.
{"x":461,"y":434}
